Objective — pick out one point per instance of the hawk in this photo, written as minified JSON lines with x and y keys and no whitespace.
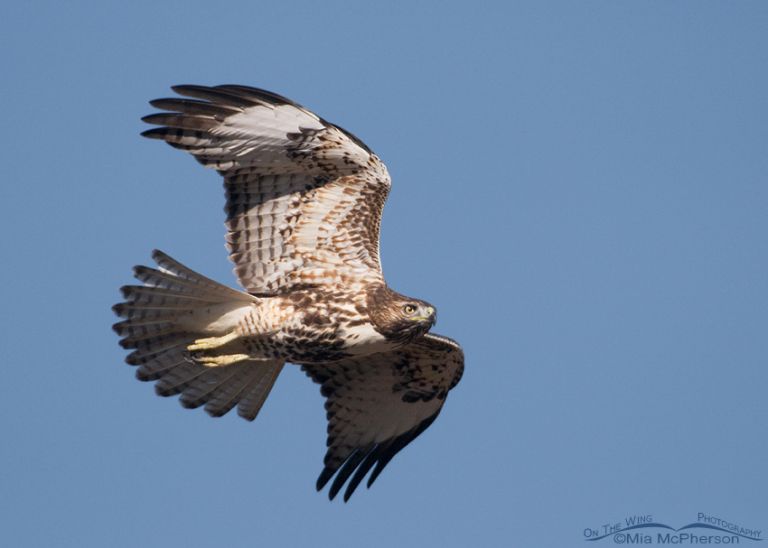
{"x":304,"y":200}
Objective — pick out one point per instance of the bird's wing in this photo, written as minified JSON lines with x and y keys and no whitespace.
{"x":304,"y":197}
{"x":378,"y":404}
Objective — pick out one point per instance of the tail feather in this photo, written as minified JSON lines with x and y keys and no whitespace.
{"x":162,"y":357}
{"x":257,"y":392}
{"x":142,"y":334}
{"x":198,"y":393}
{"x":160,"y":298}
{"x":153,"y":345}
{"x":180,"y":378}
{"x":173,"y":267}
{"x":228,"y":395}
{"x":177,"y":284}
{"x":157,"y":369}
{"x":139,"y":315}
{"x":142,"y":328}
{"x":173,"y":308}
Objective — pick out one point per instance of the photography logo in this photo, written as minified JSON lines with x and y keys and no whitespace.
{"x":706,"y":530}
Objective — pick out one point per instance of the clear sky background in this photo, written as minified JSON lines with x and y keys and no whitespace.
{"x":581,"y":188}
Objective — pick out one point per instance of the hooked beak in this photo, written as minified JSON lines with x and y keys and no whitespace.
{"x":431,"y":316}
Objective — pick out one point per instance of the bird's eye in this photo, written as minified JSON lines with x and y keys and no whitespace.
{"x":409,"y":309}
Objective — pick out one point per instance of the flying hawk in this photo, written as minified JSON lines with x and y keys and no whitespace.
{"x":304,"y":205}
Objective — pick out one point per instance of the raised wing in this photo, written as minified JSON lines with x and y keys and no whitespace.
{"x":304,"y":197}
{"x":378,"y":404}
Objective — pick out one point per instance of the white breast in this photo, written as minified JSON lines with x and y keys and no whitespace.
{"x":364,"y":339}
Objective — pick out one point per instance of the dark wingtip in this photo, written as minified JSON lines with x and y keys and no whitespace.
{"x":324,"y":476}
{"x":157,"y":118}
{"x":158,"y":255}
{"x":155,"y":132}
{"x":134,"y":359}
{"x":128,"y":345}
{"x":259,"y":93}
{"x":373,"y":476}
{"x":334,"y":490}
{"x":182,"y":89}
{"x":214,"y":95}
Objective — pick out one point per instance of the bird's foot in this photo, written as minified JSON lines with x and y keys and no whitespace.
{"x":216,"y":361}
{"x":210,"y":343}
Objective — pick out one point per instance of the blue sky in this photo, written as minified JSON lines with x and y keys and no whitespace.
{"x":581,"y":188}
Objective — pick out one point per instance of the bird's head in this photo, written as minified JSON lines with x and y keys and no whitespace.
{"x":399,"y":318}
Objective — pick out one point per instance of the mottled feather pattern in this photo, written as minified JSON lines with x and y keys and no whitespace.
{"x":284,"y":230}
{"x":302,"y":194}
{"x":304,"y":201}
{"x":375,"y":403}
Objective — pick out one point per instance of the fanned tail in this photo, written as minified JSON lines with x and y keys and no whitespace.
{"x":176,"y":308}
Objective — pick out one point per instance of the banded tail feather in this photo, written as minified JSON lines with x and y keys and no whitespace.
{"x":164,"y":318}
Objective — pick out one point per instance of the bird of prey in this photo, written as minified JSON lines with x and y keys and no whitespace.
{"x":304,"y":201}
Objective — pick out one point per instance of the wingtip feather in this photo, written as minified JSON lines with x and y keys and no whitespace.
{"x":324,"y":477}
{"x":158,"y":255}
{"x":154,"y":133}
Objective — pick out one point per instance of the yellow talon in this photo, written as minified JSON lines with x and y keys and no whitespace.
{"x":212,"y":342}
